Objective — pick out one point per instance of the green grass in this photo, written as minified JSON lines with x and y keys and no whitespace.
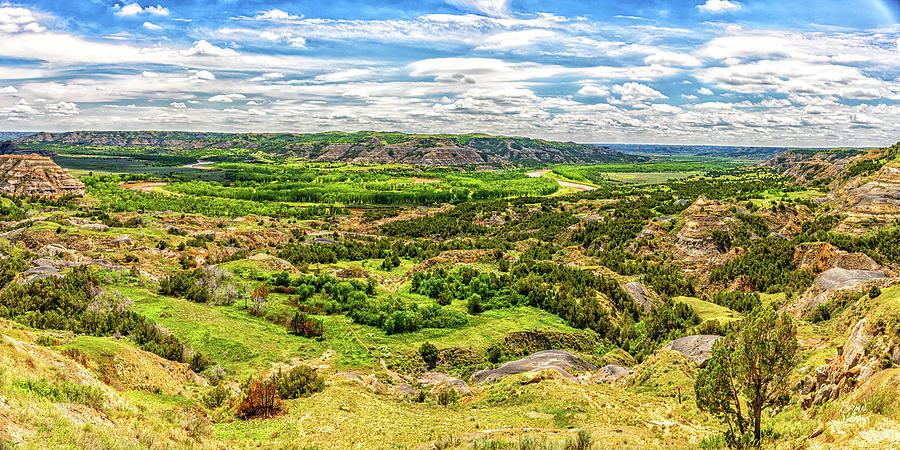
{"x":708,"y":310}
{"x":241,"y":343}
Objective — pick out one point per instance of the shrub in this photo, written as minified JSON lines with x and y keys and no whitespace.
{"x":583,"y":441}
{"x":874,"y":292}
{"x":298,"y":382}
{"x":447,"y":396}
{"x":429,"y":354}
{"x":199,"y":362}
{"x":494,"y":354}
{"x":260,"y":399}
{"x":473,"y":305}
{"x":303,"y":325}
{"x":64,"y":392}
{"x":215,"y":397}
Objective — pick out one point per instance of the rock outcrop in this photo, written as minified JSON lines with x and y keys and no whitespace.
{"x":697,"y":348}
{"x":695,"y":238}
{"x":29,"y":175}
{"x":439,"y":380}
{"x":870,"y":202}
{"x":841,"y":374}
{"x":821,"y":256}
{"x":558,"y":360}
{"x":611,"y":373}
{"x":830,"y":282}
{"x":639,"y":295}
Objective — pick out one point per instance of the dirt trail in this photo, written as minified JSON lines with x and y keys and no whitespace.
{"x":568,"y":184}
{"x":143,"y":186}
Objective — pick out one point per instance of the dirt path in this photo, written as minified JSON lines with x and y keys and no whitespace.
{"x":199,"y":165}
{"x":568,"y":184}
{"x":143,"y":186}
{"x":537,"y":173}
{"x":576,"y":186}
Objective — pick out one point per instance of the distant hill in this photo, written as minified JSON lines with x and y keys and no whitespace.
{"x":358,"y":147}
{"x":5,"y":135}
{"x":723,"y":151}
{"x":10,"y":148}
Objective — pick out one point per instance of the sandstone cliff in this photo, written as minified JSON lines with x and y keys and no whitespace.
{"x":30,"y":175}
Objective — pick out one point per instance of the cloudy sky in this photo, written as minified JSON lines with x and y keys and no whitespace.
{"x":742,"y":72}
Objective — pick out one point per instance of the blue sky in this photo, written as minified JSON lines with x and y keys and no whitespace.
{"x":740,"y":72}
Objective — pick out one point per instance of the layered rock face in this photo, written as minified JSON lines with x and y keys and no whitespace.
{"x":31,"y":175}
{"x":870,"y":201}
{"x":703,"y":217}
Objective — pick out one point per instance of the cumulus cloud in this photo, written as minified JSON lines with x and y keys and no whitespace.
{"x":705,"y":91}
{"x":719,"y":6}
{"x":202,"y":75}
{"x":496,"y":8}
{"x":593,"y":91}
{"x":632,"y":92}
{"x":227,"y":98}
{"x":204,"y":48}
{"x":178,"y":105}
{"x":665,"y":57}
{"x":146,"y":74}
{"x":14,"y":20}
{"x":134,"y":9}
{"x":152,"y":26}
{"x":62,"y":109}
{"x":8,"y":90}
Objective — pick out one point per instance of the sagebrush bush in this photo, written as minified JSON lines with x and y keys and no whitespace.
{"x":299,"y":381}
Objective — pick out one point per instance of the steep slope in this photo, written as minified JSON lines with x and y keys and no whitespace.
{"x":10,"y":148}
{"x":870,"y":202}
{"x":364,"y":146}
{"x":30,"y":175}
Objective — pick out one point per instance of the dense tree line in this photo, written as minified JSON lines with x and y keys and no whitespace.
{"x":74,"y":303}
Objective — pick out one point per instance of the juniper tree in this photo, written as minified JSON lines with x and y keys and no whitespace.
{"x":748,"y":372}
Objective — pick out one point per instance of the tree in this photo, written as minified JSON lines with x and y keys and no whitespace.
{"x":748,"y":372}
{"x":429,"y":353}
{"x":874,"y":292}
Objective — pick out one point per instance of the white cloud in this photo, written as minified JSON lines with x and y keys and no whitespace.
{"x":514,"y":39}
{"x":204,"y":48}
{"x":133,"y":9}
{"x":146,"y":74}
{"x":202,"y":75}
{"x":62,"y":109}
{"x":632,"y":92}
{"x":496,"y":8}
{"x":8,"y":90}
{"x":665,"y":109}
{"x":665,"y":57}
{"x":344,"y":75}
{"x":276,"y":15}
{"x":775,"y":103}
{"x":227,"y":98}
{"x":178,"y":105}
{"x":593,"y":91}
{"x":152,"y":26}
{"x":297,"y":41}
{"x":14,"y":20}
{"x":705,"y":91}
{"x":719,"y":6}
